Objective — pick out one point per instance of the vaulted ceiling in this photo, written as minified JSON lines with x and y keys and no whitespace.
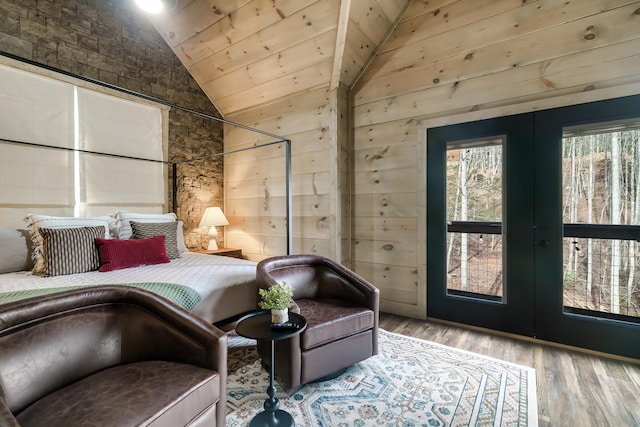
{"x":245,"y":53}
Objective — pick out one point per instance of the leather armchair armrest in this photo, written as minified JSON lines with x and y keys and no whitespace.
{"x":6,"y":417}
{"x":172,"y":333}
{"x":178,"y":336}
{"x":346,"y":284}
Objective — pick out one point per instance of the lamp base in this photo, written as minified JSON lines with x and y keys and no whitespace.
{"x":213,"y":235}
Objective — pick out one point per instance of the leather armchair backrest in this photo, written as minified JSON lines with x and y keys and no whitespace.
{"x":304,"y":279}
{"x":44,"y":347}
{"x":313,"y":277}
{"x":46,"y":354}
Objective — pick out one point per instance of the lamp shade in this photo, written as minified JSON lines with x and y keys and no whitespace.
{"x":213,"y":217}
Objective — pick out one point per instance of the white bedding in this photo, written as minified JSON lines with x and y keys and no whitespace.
{"x":227,"y":285}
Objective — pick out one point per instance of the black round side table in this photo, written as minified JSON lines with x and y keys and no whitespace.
{"x":258,"y":326}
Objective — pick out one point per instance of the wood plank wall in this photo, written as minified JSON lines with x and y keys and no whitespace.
{"x":450,"y":61}
{"x":361,"y":200}
{"x":255,"y":185}
{"x":316,"y":124}
{"x":295,"y":86}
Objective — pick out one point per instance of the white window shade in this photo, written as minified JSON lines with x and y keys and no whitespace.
{"x":123,"y":182}
{"x":35,"y":109}
{"x":117,"y":126}
{"x":38,"y":110}
{"x":33,"y":176}
{"x":42,"y":110}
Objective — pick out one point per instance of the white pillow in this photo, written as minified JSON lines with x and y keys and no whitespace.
{"x":123,"y":217}
{"x":15,"y":250}
{"x":182,"y":248}
{"x":123,"y":230}
{"x":35,"y":222}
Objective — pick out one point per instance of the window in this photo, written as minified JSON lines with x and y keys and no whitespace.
{"x":474,"y":218}
{"x":45,"y":111}
{"x":564,"y":222}
{"x":601,"y":203}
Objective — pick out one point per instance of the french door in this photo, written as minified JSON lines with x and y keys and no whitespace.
{"x":533,"y":224}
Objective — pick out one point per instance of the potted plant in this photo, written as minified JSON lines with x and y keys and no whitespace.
{"x":278,"y":299}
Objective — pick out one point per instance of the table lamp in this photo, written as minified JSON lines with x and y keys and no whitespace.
{"x":213,"y":217}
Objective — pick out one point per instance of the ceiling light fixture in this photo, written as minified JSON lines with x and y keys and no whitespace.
{"x":156,"y":6}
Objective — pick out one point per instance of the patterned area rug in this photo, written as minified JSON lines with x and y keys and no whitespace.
{"x":411,"y":382}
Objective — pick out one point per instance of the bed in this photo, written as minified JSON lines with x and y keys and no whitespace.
{"x":217,"y":288}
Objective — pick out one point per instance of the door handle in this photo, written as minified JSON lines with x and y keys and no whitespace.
{"x":543,"y":243}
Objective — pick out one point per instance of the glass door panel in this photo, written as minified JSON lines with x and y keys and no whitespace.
{"x":533,"y":224}
{"x":474,"y":218}
{"x":601,"y":178}
{"x":480,"y":223}
{"x":587,"y":231}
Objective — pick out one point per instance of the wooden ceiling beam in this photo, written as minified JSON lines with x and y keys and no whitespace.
{"x":341,"y":38}
{"x":381,"y":43}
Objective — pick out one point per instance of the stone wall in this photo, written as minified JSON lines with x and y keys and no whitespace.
{"x":113,"y":42}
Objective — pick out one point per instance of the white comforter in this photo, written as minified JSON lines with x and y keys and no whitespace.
{"x":214,"y":277}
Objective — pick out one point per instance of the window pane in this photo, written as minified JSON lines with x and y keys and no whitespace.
{"x":474,"y":195}
{"x":590,"y":269}
{"x":601,"y":172}
{"x":482,"y":273}
{"x":600,"y":176}
{"x":474,"y":183}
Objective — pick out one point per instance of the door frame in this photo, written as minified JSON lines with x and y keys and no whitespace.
{"x":548,"y":317}
{"x":514,"y":314}
{"x":553,"y":323}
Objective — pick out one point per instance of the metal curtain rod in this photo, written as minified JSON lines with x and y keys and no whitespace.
{"x":120,"y":156}
{"x":79,"y":150}
{"x":287,"y":142}
{"x":174,"y":165}
{"x":210,"y":156}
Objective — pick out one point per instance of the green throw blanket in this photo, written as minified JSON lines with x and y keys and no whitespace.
{"x":184,"y":296}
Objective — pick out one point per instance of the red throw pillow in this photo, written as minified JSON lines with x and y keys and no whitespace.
{"x":118,"y":254}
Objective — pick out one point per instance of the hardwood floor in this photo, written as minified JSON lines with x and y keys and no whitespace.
{"x":574,"y":389}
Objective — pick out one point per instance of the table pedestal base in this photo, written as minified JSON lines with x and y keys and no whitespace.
{"x":272,"y":419}
{"x":258,"y":326}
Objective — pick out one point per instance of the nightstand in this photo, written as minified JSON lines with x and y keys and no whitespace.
{"x":230,"y":252}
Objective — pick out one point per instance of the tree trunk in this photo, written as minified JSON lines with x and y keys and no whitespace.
{"x":454,"y":216}
{"x":464,"y":154}
{"x":635,"y":211}
{"x":615,"y":219}
{"x":590,"y":186}
{"x":569,"y":208}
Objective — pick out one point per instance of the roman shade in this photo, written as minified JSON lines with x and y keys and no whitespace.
{"x":42,"y":110}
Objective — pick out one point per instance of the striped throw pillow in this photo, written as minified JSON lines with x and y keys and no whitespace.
{"x":144,"y":230}
{"x":36,"y":222}
{"x":70,"y":250}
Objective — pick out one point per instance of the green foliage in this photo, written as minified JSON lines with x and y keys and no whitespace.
{"x":277,"y":297}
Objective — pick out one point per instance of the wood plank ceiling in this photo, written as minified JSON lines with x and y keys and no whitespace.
{"x":246,"y":53}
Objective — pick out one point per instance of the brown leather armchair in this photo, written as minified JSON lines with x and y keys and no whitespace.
{"x":341,"y":309}
{"x":109,"y":356}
